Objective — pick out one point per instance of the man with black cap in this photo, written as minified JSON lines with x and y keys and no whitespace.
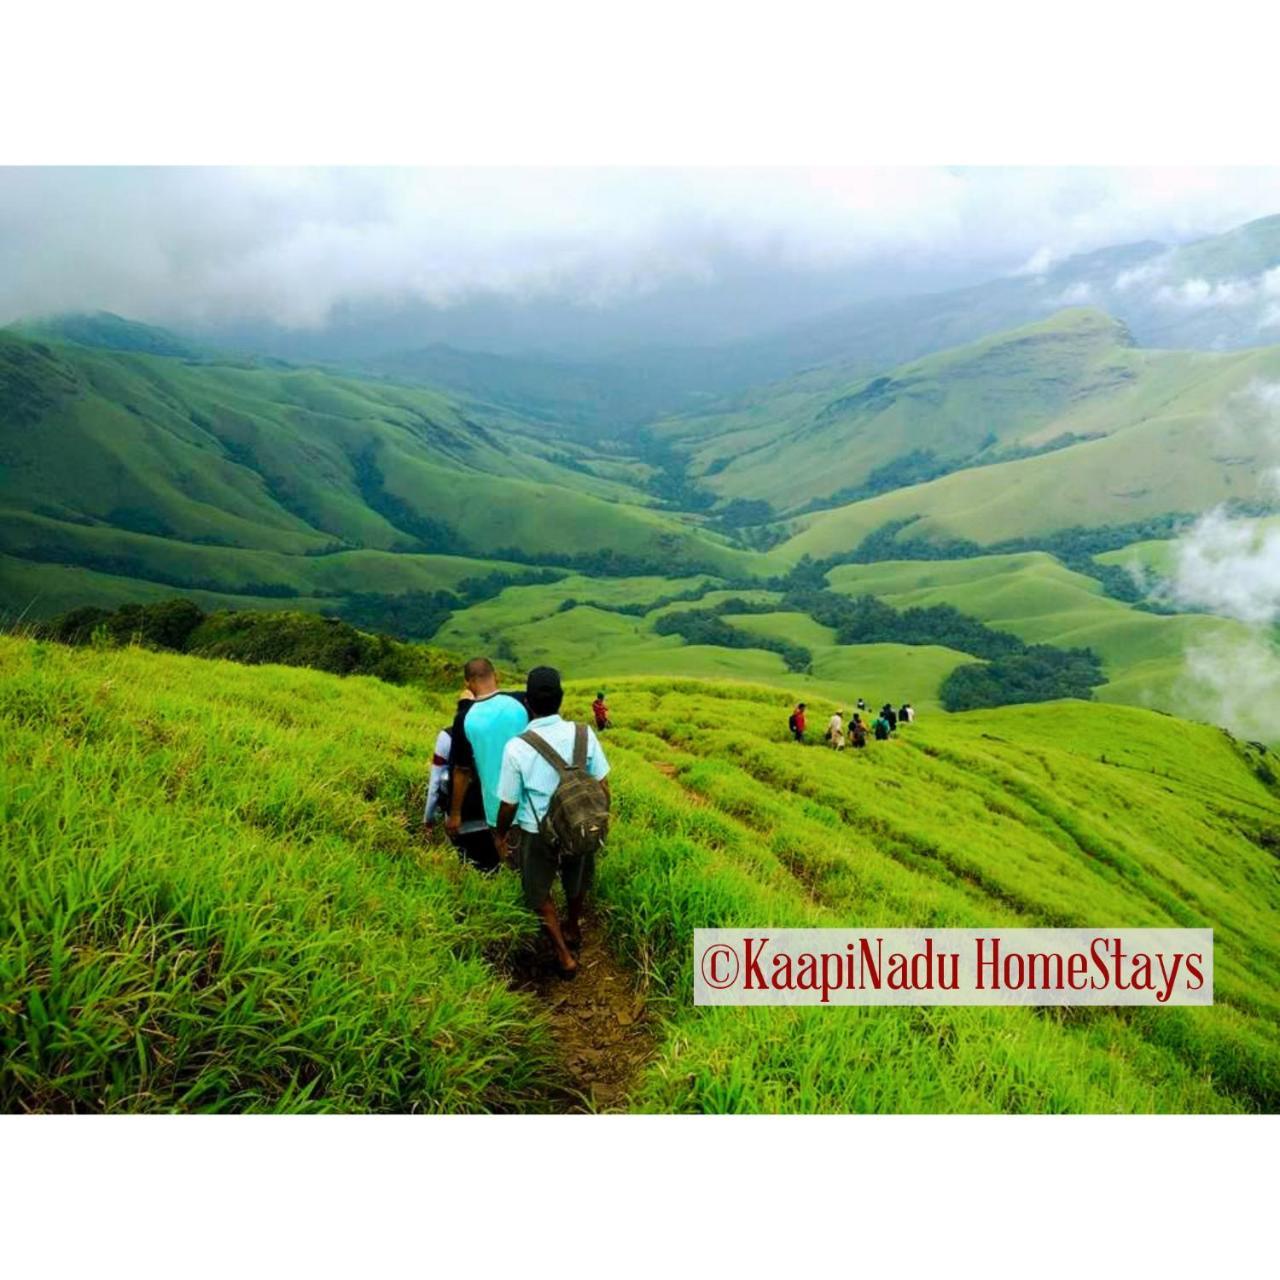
{"x":525,"y":788}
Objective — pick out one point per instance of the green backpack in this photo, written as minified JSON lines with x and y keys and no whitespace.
{"x":577,"y":817}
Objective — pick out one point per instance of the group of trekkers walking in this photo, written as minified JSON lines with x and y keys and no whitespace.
{"x":881,"y":727}
{"x":520,"y":784}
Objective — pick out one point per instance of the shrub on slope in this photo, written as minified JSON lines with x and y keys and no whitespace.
{"x":288,"y":638}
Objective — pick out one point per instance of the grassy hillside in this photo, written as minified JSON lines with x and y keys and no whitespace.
{"x":1059,"y":423}
{"x":1036,"y":597}
{"x":215,"y":899}
{"x":185,"y":471}
{"x":575,"y":623}
{"x":794,"y":445}
{"x":218,"y":901}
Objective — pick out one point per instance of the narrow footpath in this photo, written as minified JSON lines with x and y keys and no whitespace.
{"x":598,"y":1019}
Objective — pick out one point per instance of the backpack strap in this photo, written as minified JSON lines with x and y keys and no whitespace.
{"x":548,"y":752}
{"x":580,"y":747}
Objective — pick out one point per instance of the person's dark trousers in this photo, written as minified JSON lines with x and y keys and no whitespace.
{"x":477,"y":849}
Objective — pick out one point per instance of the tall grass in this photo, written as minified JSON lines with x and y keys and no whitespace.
{"x":214,"y":901}
{"x":1058,"y":815}
{"x":214,"y":898}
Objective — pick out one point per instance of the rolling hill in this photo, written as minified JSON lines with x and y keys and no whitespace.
{"x":234,"y":477}
{"x":226,"y":904}
{"x":1124,"y":432}
{"x":1214,"y":292}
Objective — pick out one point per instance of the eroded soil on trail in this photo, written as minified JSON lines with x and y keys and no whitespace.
{"x":598,"y":1019}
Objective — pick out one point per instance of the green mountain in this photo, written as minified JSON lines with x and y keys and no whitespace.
{"x":221,"y":901}
{"x":232,"y":476}
{"x":1058,"y":424}
{"x":108,"y":331}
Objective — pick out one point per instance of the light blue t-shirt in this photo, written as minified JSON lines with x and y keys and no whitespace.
{"x":527,"y":780}
{"x":489,"y":725}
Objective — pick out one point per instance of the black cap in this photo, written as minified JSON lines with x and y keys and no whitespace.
{"x":543,"y":682}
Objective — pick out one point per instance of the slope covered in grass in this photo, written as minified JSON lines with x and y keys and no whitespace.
{"x":1057,"y":424}
{"x":1036,"y":597}
{"x":216,"y":900}
{"x":1063,"y":814}
{"x":244,"y":478}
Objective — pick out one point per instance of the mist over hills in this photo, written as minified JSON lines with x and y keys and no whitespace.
{"x":610,"y":370}
{"x":550,"y":504}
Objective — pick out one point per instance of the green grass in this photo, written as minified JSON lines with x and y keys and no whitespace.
{"x":1049,"y":815}
{"x":528,"y":624}
{"x":216,"y":900}
{"x":1148,"y":429}
{"x":191,"y":471}
{"x":1036,"y":597}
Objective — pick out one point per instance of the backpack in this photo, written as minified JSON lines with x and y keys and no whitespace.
{"x":577,"y":817}
{"x":791,"y":722}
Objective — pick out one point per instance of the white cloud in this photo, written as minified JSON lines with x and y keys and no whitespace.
{"x":1198,"y":293}
{"x":1231,"y":567}
{"x":288,"y":244}
{"x":1077,"y":295}
{"x":1039,"y":262}
{"x":1234,"y":683}
{"x":1144,"y":273}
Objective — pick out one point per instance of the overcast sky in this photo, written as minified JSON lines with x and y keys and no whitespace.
{"x":215,"y":245}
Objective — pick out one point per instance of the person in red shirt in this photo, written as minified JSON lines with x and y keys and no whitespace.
{"x":600,"y":710}
{"x":796,"y":722}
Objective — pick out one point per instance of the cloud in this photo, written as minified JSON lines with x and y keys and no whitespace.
{"x":1077,"y":295}
{"x":1143,"y":274}
{"x":1198,"y":294}
{"x":290,"y":245}
{"x":1039,"y":262}
{"x":1230,"y":567}
{"x":1234,"y":683}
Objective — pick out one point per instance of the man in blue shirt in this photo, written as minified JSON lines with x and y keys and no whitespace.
{"x":525,"y":786}
{"x":481,"y":729}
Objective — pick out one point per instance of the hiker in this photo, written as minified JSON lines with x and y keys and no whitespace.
{"x":881,"y":728}
{"x":473,"y":839}
{"x":835,"y":730}
{"x":546,"y":790}
{"x":890,"y":715}
{"x":600,"y":709}
{"x":482,"y":727}
{"x":796,"y":722}
{"x":906,"y":713}
{"x":862,"y":704}
{"x":858,"y":731}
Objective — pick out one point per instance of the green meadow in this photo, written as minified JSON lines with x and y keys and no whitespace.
{"x":221,"y":899}
{"x":1036,"y":597}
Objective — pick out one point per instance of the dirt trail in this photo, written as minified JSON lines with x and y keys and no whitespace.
{"x":598,"y":1019}
{"x":670,"y":771}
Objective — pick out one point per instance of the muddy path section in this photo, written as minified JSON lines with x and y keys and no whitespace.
{"x":598,"y":1019}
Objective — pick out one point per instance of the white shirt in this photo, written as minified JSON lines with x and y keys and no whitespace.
{"x":439,"y":765}
{"x":528,"y":781}
{"x":437,"y":800}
